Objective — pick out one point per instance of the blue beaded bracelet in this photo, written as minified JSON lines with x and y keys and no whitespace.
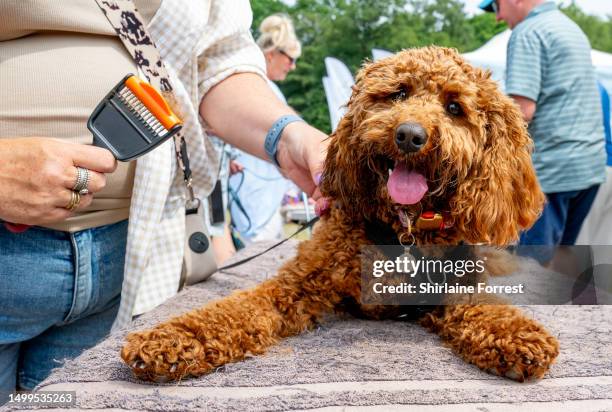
{"x":274,"y":135}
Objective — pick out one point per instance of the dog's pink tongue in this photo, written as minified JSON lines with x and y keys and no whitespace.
{"x":406,"y":187}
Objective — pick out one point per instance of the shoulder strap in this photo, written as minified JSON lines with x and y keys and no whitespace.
{"x":131,"y":29}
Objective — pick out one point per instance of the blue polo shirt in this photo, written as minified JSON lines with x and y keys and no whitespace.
{"x":605,"y":104}
{"x":549,"y":62}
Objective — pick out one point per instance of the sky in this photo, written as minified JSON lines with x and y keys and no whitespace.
{"x":597,"y":7}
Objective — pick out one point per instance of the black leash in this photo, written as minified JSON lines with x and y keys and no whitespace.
{"x":305,"y":226}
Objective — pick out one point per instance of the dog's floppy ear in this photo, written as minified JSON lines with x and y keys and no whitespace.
{"x":501,"y":195}
{"x":340,"y":177}
{"x":348,"y":176}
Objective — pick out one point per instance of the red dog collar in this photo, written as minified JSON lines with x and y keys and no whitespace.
{"x":430,"y":221}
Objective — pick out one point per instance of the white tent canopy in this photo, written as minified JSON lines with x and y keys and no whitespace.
{"x":378,"y":54}
{"x":492,"y":56}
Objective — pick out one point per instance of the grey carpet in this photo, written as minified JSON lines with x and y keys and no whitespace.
{"x":350,"y":364}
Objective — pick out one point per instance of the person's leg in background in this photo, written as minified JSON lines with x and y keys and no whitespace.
{"x":540,"y":240}
{"x":550,"y":241}
{"x":579,"y":207}
{"x":577,"y":261}
{"x":596,"y":232}
{"x":59,"y":294}
{"x":549,"y":228}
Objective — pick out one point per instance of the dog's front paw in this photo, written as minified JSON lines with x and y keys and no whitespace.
{"x":526,"y":357}
{"x":164,"y":354}
{"x":497,"y":338}
{"x":513,"y":345}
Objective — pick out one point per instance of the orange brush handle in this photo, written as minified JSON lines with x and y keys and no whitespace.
{"x":153,"y":101}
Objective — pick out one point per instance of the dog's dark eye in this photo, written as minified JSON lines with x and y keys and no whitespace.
{"x":454,"y":108}
{"x":401,"y":94}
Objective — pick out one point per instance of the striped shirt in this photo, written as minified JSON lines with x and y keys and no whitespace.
{"x":549,"y":62}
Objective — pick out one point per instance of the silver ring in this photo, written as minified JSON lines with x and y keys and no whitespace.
{"x":82,"y":181}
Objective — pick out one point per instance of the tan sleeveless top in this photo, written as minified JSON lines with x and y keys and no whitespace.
{"x":58,"y":59}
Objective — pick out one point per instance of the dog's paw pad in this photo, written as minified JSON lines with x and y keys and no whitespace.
{"x":521,"y":368}
{"x":514,"y":375}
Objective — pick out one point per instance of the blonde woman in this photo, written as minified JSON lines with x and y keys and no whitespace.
{"x":280,"y":46}
{"x":258,"y":191}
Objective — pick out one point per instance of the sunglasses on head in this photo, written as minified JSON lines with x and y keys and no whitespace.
{"x":284,"y":53}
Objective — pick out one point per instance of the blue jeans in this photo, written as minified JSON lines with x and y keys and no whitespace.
{"x":559,"y":224}
{"x":561,"y":219}
{"x":59,"y":295}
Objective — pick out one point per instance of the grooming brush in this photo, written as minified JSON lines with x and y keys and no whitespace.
{"x":132,"y":119}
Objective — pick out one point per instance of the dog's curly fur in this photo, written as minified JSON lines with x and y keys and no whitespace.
{"x":478,"y":166}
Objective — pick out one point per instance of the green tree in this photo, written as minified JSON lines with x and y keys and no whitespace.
{"x":484,"y":27}
{"x":263,"y":8}
{"x":598,"y":30}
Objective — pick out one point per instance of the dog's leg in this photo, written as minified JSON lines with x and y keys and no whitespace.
{"x":227,"y":330}
{"x":497,"y":338}
{"x":248,"y":322}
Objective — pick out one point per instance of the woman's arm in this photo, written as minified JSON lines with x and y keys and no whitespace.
{"x":242,"y":108}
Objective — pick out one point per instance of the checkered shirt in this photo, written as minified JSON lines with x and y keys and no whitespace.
{"x":202,"y":42}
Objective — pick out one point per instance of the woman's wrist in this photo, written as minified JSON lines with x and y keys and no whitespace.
{"x":302,"y":144}
{"x":275,"y":135}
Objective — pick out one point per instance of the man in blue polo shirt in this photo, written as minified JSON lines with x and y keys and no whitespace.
{"x":550,"y":76}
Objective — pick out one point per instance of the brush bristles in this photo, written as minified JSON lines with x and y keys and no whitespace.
{"x":133,"y":103}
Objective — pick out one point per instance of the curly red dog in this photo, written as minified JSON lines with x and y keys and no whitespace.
{"x":424,"y":131}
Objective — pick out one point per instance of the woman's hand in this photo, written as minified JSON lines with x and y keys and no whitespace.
{"x":301,"y":153}
{"x":37,"y":176}
{"x":235,"y":167}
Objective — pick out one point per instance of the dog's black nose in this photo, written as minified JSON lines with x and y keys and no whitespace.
{"x":410,"y":137}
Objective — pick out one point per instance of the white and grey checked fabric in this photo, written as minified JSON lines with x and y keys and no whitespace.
{"x":202,"y":42}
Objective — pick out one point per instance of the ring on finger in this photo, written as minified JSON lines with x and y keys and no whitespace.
{"x":75,"y":199}
{"x":82,"y":181}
